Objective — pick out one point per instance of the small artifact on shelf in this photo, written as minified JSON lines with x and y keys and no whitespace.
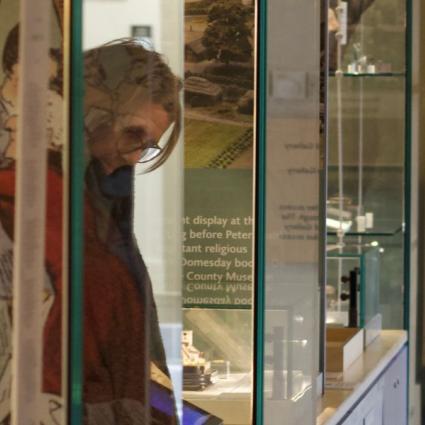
{"x":337,"y":218}
{"x":197,"y":372}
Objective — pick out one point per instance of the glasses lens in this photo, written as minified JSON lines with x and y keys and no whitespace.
{"x":149,"y":154}
{"x":162,"y":142}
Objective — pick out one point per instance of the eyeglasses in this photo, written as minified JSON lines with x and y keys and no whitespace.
{"x":134,"y":139}
{"x":131,"y":138}
{"x":149,"y":154}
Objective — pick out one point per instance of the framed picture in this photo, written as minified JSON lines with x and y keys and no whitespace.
{"x":144,"y":34}
{"x":141,"y":31}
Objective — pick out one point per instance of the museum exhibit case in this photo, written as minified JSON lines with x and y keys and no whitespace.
{"x":190,"y":276}
{"x":368,"y":140}
{"x":178,"y":246}
{"x":191,"y":273}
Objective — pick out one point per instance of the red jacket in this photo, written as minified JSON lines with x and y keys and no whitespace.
{"x":115,"y":359}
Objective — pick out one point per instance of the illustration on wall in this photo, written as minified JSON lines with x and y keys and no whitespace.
{"x":51,"y":407}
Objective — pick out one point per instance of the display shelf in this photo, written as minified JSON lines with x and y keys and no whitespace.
{"x":370,"y":74}
{"x":235,"y":384}
{"x":384,"y":230}
{"x":240,"y":384}
{"x":230,"y":398}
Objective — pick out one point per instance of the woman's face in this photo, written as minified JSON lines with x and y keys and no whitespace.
{"x":135,"y":129}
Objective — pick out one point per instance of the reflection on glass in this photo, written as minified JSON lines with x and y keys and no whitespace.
{"x":136,"y":346}
{"x":218,"y":219}
{"x":292,"y":177}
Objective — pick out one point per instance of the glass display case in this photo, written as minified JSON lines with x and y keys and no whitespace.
{"x":216,"y":350}
{"x":185,"y":277}
{"x":226,"y":308}
{"x":367,"y":138}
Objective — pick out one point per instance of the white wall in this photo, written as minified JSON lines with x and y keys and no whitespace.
{"x":106,"y":20}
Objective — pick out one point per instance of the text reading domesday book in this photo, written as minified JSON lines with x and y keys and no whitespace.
{"x":217,"y":261}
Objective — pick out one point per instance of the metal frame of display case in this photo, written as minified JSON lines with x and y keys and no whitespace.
{"x":75,"y":366}
{"x":260,"y":195}
{"x":407,"y":188}
{"x":324,"y":185}
{"x":407,"y":159}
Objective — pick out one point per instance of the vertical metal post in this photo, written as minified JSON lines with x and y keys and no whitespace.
{"x":260,"y":213}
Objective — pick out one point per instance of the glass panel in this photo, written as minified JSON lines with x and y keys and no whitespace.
{"x":367,"y":137}
{"x":133,"y":69}
{"x":353,"y":285}
{"x":132,"y":113}
{"x":292,"y":247}
{"x":32,"y":263}
{"x":218,"y":215}
{"x":373,"y":126}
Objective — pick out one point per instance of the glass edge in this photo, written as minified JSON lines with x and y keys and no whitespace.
{"x":407,"y":163}
{"x":407,"y":190}
{"x":362,"y":291}
{"x":75,"y":367}
{"x":323,"y":189}
{"x":260,"y":207}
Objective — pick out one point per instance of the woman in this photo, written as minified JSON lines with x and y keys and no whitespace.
{"x":131,"y":100}
{"x":132,"y":115}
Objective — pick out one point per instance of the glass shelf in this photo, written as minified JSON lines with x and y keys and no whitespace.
{"x":371,"y":75}
{"x":384,"y":229}
{"x":348,"y":251}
